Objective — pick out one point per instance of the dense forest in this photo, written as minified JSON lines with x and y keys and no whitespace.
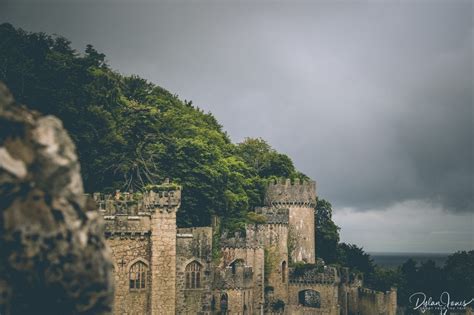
{"x":131,"y":134}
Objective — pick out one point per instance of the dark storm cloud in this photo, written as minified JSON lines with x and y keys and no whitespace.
{"x":373,"y":100}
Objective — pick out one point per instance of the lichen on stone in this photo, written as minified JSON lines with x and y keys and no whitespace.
{"x":53,"y":256}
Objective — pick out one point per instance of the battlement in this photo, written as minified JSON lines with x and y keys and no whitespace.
{"x":274,"y":215}
{"x":374,"y":293}
{"x":377,"y":302}
{"x":285,"y":192}
{"x":124,"y":203}
{"x":316,"y":275}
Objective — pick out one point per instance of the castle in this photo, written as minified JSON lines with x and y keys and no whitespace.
{"x":272,"y":268}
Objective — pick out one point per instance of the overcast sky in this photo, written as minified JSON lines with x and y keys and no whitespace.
{"x":373,"y":100}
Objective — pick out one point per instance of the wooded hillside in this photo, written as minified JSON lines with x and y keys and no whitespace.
{"x":131,"y":133}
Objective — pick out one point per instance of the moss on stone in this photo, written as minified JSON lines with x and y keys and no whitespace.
{"x":162,"y":187}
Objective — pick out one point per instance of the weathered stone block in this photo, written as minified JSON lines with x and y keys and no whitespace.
{"x":53,"y":256}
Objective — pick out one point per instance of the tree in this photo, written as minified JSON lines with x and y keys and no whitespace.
{"x":327,"y":232}
{"x":355,"y":258}
{"x":264,"y":159}
{"x":130,"y":133}
{"x":459,"y":275}
{"x":383,"y":279}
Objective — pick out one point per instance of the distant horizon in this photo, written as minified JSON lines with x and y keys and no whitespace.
{"x":417,"y":253}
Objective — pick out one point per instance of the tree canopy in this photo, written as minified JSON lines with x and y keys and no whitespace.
{"x":130,"y":132}
{"x":327,"y":232}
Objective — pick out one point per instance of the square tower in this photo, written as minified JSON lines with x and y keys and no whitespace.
{"x":300,"y":198}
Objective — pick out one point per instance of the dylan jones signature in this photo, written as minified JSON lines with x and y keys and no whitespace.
{"x":444,"y":304}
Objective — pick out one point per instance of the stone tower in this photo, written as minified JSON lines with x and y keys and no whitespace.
{"x":141,"y":231}
{"x":274,"y":234}
{"x":163,"y":206}
{"x":300,"y":198}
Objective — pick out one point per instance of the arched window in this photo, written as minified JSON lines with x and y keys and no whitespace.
{"x":193,"y":275}
{"x":137,"y":275}
{"x":283,"y":272}
{"x":309,"y":298}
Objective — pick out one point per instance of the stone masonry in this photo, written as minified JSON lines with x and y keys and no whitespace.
{"x":300,"y":198}
{"x":141,"y":230}
{"x":254,"y":273}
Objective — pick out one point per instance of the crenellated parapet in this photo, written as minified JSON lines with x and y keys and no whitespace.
{"x":274,"y":215}
{"x":370,"y":292}
{"x":377,"y":302}
{"x":130,"y":215}
{"x":316,"y":275}
{"x":286,"y":192}
{"x":141,"y":203}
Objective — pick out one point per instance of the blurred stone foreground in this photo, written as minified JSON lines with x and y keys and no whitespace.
{"x":53,"y":257}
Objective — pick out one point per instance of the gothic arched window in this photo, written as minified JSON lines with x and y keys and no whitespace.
{"x":137,"y":275}
{"x":193,"y":275}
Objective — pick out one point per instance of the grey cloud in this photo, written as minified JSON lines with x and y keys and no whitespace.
{"x":399,"y":229}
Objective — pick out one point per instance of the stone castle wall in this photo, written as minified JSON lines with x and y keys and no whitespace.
{"x":285,"y":192}
{"x":137,"y":203}
{"x":254,"y":258}
{"x":126,"y":251}
{"x":301,"y":234}
{"x":194,"y":245}
{"x":329,"y":299}
{"x":275,"y":241}
{"x":372,"y":302}
{"x":141,"y":227}
{"x":136,"y":226}
{"x":239,"y":301}
{"x":300,"y":198}
{"x":163,"y":261}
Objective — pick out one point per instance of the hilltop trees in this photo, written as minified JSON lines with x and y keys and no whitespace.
{"x":459,"y":276}
{"x":327,"y":232}
{"x":266,"y":161}
{"x":130,"y":132}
